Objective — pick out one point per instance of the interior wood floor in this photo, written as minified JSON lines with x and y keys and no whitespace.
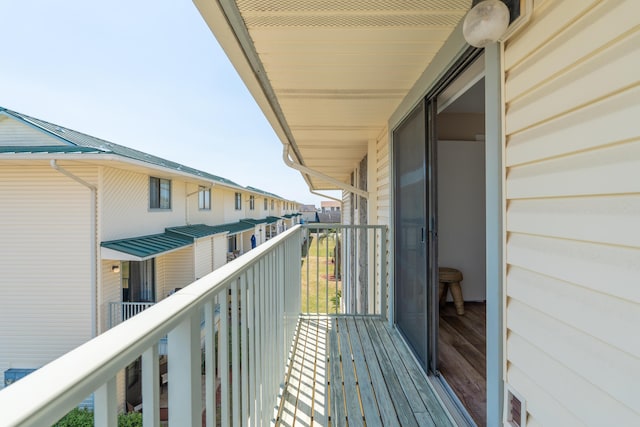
{"x":462,"y":358}
{"x":355,"y":371}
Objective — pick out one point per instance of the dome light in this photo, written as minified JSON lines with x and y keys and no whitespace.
{"x":485,"y":23}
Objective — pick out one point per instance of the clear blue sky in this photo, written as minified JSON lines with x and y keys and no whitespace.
{"x":144,"y":74}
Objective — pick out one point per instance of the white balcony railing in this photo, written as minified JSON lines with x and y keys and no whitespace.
{"x":120,"y":311}
{"x":258,"y":297}
{"x":344,"y":269}
{"x":247,"y":312}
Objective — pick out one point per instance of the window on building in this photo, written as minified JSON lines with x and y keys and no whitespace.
{"x":252,"y":202}
{"x":266,"y":204}
{"x":159,"y":193}
{"x":204,"y":198}
{"x":238,"y":201}
{"x":272,"y":204}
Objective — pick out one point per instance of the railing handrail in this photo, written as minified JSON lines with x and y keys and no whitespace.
{"x":35,"y":401}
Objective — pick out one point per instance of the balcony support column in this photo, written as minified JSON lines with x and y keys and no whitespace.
{"x":106,"y":405}
{"x":150,"y":387}
{"x":185,"y":400}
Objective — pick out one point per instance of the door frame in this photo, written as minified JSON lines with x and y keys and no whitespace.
{"x":446,"y":64}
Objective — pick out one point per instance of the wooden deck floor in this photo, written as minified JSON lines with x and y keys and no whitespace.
{"x":355,"y":371}
{"x":462,"y":359}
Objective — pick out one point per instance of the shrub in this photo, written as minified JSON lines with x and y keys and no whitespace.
{"x":84,"y":418}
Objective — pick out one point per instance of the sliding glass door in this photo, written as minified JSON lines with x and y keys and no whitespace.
{"x":411,"y":238}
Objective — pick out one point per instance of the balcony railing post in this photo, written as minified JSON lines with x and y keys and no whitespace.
{"x":184,"y":367}
{"x":235,"y":356}
{"x":150,"y":387}
{"x":105,"y":405}
{"x":210,"y":363}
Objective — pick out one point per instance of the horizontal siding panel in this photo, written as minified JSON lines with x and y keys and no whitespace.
{"x":602,"y":123}
{"x":179,"y":269}
{"x":603,"y":317}
{"x":13,"y":132}
{"x":543,"y":408}
{"x":611,"y":270}
{"x":597,"y":172}
{"x":588,"y":404}
{"x":45,"y":285}
{"x":605,"y":73}
{"x":612,"y":371}
{"x":203,"y":257}
{"x":549,"y":19}
{"x":600,"y":26}
{"x":220,"y":247}
{"x":607,"y":219}
{"x":111,"y":290}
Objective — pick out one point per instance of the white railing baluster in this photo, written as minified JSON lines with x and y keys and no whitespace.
{"x":223,"y":353}
{"x":235,"y":356}
{"x":150,"y":387}
{"x":251,"y":325}
{"x":105,"y":401}
{"x":244,"y":349}
{"x":210,"y":362}
{"x":184,"y":369}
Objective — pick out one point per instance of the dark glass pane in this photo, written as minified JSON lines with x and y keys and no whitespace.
{"x":410,"y":239}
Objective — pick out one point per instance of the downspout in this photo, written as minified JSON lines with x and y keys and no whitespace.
{"x":93,"y":252}
{"x":320,"y":175}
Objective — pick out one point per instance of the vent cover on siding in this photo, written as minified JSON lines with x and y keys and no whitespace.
{"x":515,"y":410}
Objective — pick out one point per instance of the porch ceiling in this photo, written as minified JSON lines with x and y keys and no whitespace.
{"x":329,"y":73}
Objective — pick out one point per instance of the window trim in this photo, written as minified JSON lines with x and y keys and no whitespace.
{"x":238,"y":201}
{"x":158,"y":196}
{"x":204,"y":198}
{"x":252,"y":203}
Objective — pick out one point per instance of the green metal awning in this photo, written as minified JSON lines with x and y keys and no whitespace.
{"x":255,"y":221}
{"x":143,"y":247}
{"x":273,"y":219}
{"x":197,"y":231}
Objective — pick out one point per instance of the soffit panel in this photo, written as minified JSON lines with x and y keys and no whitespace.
{"x":339,"y":68}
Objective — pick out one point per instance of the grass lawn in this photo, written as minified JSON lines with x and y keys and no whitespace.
{"x":318,"y":278}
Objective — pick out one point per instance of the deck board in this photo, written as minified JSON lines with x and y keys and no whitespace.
{"x":350,"y":370}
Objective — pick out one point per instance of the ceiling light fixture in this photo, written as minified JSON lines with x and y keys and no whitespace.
{"x":485,"y":23}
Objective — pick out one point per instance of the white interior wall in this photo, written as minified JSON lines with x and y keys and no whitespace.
{"x":461,"y":213}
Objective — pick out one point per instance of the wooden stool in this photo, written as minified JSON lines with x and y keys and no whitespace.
{"x":451,"y":278}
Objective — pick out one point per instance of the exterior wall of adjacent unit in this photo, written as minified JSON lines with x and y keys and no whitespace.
{"x":174,"y":270}
{"x":383,"y":181}
{"x":231,"y":214}
{"x":220,"y":247}
{"x":17,"y":133}
{"x":195,"y":215}
{"x":203,"y":256}
{"x":110,"y":291}
{"x":45,"y":260}
{"x":573,"y":213}
{"x":125,"y":205}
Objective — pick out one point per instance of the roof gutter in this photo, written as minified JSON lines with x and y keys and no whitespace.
{"x":324,"y":195}
{"x":93,"y":251}
{"x":341,"y":185}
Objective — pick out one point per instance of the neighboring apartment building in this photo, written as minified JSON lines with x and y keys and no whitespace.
{"x":518,"y":164}
{"x":93,"y":232}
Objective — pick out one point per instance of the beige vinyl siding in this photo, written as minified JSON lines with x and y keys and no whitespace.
{"x":219,"y":250}
{"x":125,"y":205}
{"x":110,"y":291}
{"x":177,"y":271}
{"x":383,"y":181}
{"x":573,"y":212}
{"x":13,"y":132}
{"x":45,"y":285}
{"x":203,"y":256}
